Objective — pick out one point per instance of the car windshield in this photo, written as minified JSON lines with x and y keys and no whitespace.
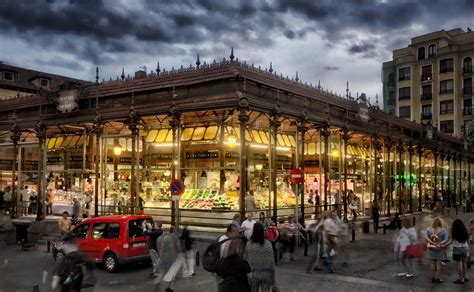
{"x":135,"y":227}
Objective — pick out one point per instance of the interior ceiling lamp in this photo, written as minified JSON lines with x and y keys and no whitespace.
{"x":335,"y":152}
{"x":231,"y":140}
{"x":117,"y":149}
{"x":259,"y":166}
{"x":167,"y":173}
{"x":203,"y":174}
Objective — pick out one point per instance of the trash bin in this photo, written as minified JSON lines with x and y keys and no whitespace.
{"x":366,"y":226}
{"x":21,"y":233}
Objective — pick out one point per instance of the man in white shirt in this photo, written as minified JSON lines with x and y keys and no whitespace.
{"x":25,"y":198}
{"x":247,"y":225}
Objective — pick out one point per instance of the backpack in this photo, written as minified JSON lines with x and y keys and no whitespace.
{"x":272,"y":233}
{"x":212,"y":255}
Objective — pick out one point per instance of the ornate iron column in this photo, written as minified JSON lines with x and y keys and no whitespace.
{"x":325,"y":133}
{"x":388,"y":176}
{"x":469,"y":190}
{"x":274,"y":125}
{"x":442,"y":157}
{"x":15,"y":137}
{"x":435,"y":172}
{"x":455,"y":177}
{"x":98,"y":134}
{"x":41,"y":135}
{"x":448,"y":181}
{"x":175,"y":123}
{"x":460,"y":180}
{"x":410,"y":180}
{"x":419,"y":149}
{"x":400,"y":176}
{"x":345,"y":139}
{"x":243,"y":120}
{"x":302,"y":129}
{"x":376,"y":146}
{"x":133,"y":127}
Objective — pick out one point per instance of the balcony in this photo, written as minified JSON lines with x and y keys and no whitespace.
{"x":426,"y":77}
{"x":426,"y":116}
{"x":467,"y":91}
{"x":426,"y":96}
{"x":446,"y":70}
{"x":446,"y":111}
{"x":467,"y":111}
{"x":404,"y":77}
{"x":446,"y":91}
{"x":467,"y":69}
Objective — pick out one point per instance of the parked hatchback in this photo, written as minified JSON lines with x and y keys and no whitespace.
{"x":111,"y":240}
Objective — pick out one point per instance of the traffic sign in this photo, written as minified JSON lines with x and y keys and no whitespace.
{"x":176,"y":187}
{"x":296,"y":176}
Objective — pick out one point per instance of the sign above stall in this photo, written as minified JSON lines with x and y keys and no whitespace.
{"x":67,"y":100}
{"x":296,"y":176}
{"x":176,"y":188}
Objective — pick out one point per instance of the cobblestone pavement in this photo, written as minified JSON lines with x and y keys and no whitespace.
{"x":363,"y":265}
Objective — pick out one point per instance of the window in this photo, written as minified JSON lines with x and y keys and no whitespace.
{"x":135,"y":228}
{"x":391,"y":79}
{"x":404,"y":112}
{"x":446,"y":86}
{"x":446,"y":65}
{"x":8,"y":76}
{"x":426,"y":73}
{"x":80,"y":231}
{"x":467,"y":89}
{"x":404,"y":93}
{"x":447,"y":126}
{"x":467,"y":65}
{"x":446,"y":107}
{"x":404,"y":74}
{"x":426,"y":93}
{"x":391,"y":98}
{"x":467,"y":107}
{"x":44,"y":82}
{"x":426,"y":112}
{"x":106,"y":231}
{"x":421,"y":53}
{"x":431,"y":51}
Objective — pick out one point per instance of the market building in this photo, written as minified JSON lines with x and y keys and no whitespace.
{"x":226,"y":129}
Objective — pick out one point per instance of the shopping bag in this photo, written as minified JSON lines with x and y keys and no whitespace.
{"x":415,"y":250}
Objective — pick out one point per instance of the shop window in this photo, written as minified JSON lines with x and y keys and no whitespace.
{"x":404,"y":93}
{"x":404,"y":74}
{"x":446,"y":65}
{"x":211,"y":133}
{"x":151,"y":136}
{"x":446,"y":86}
{"x":248,"y":137}
{"x":404,"y":112}
{"x":187,"y":134}
{"x":80,"y":231}
{"x":280,"y":140}
{"x":160,"y":138}
{"x":264,"y":136}
{"x":256,"y":137}
{"x":135,"y":228}
{"x":311,"y":148}
{"x":198,"y":133}
{"x":421,"y":53}
{"x":446,"y":107}
{"x":447,"y":126}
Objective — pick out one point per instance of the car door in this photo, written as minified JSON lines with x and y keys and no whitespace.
{"x":104,"y":236}
{"x":138,"y":241}
{"x":80,"y":235}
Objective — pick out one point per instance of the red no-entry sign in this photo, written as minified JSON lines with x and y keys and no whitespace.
{"x":296,"y":176}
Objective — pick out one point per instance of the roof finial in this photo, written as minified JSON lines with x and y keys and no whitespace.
{"x":123,"y":74}
{"x":319,"y":84}
{"x":198,"y":63}
{"x":297,"y":78}
{"x":97,"y":74}
{"x":377,"y":100}
{"x":347,"y":89}
{"x":158,"y":68}
{"x":231,"y":54}
{"x":271,"y":68}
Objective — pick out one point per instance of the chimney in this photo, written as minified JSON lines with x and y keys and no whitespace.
{"x":140,"y":74}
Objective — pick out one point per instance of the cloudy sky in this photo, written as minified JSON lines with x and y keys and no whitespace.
{"x":331,"y":41}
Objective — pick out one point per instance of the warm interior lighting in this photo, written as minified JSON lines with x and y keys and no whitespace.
{"x":167,"y":173}
{"x":117,"y":149}
{"x":231,"y":140}
{"x":259,"y":166}
{"x":163,"y":144}
{"x":335,"y":153}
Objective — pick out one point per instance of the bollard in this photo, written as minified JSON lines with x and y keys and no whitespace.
{"x":414,"y":220}
{"x":48,"y":246}
{"x":36,"y":288}
{"x":197,"y":258}
{"x":384,"y":229}
{"x":353,"y":235}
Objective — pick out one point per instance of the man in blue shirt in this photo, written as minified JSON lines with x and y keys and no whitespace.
{"x":153,"y":232}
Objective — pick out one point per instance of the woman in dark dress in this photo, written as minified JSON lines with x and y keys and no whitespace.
{"x":233,"y":269}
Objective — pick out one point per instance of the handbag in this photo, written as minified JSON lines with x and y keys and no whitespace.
{"x":415,"y":250}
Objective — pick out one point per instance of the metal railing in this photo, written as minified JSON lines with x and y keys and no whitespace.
{"x":426,"y":77}
{"x":467,"y":111}
{"x":427,"y":96}
{"x":467,"y":90}
{"x":446,"y":91}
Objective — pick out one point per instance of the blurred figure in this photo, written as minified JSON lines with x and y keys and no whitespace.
{"x":264,"y":222}
{"x":273,"y":236}
{"x":189,"y":254}
{"x":407,"y":236}
{"x":318,"y":238}
{"x":460,"y":242}
{"x":50,"y":201}
{"x":437,"y":238}
{"x":171,"y":258}
{"x":375,"y":215}
{"x":330,"y":240}
{"x":233,"y":269}
{"x":353,"y":206}
{"x":76,"y":208}
{"x":292,"y":231}
{"x":153,"y":233}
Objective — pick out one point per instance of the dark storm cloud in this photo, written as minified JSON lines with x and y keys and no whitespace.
{"x":95,"y":29}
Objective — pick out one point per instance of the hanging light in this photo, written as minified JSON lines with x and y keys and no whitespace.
{"x":203,"y":174}
{"x":231,"y":140}
{"x":167,"y":173}
{"x":315,"y":179}
{"x":259,"y":166}
{"x":117,"y":149}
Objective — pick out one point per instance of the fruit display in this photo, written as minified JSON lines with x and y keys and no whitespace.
{"x":204,"y":199}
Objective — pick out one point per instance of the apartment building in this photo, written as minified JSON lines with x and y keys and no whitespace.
{"x":431,"y":80}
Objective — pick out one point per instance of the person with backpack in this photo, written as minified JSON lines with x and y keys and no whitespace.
{"x":460,"y":243}
{"x":215,"y":251}
{"x":232,"y":269}
{"x":273,"y":236}
{"x":258,"y":254}
{"x":153,"y":233}
{"x":437,"y":239}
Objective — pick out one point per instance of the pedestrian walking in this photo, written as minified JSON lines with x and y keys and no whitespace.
{"x":259,"y":253}
{"x":232,"y":269}
{"x":437,"y":238}
{"x":247,"y":227}
{"x":460,"y":243}
{"x":375,"y":215}
{"x":330,"y":240}
{"x":171,"y":259}
{"x":316,"y":257}
{"x":76,"y":209}
{"x":250,"y":201}
{"x":292,"y":232}
{"x":189,"y":254}
{"x":353,"y":206}
{"x":153,"y":233}
{"x":231,"y":233}
{"x":406,"y":237}
{"x":264,"y":222}
{"x":273,"y":236}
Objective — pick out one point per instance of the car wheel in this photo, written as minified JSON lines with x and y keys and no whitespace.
{"x":59,"y":255}
{"x":111,"y":263}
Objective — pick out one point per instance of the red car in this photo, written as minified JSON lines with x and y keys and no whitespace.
{"x":111,"y":240}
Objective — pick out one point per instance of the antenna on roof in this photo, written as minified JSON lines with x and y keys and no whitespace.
{"x":198,"y":63}
{"x":158,"y":68}
{"x":271,"y":68}
{"x":347,"y":89}
{"x":231,"y":54}
{"x":97,"y":74}
{"x":123,"y":74}
{"x":297,"y":78}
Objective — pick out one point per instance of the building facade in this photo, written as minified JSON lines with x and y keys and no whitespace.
{"x":433,"y":80}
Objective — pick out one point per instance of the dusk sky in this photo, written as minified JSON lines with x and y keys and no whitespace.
{"x":331,"y":41}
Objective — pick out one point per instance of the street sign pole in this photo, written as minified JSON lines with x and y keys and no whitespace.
{"x":176,"y":189}
{"x":296,"y":212}
{"x":296,"y":178}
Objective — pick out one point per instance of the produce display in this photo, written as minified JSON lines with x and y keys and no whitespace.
{"x":204,"y":199}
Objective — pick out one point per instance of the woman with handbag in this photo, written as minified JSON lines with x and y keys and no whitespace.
{"x":407,"y":239}
{"x":460,"y":242}
{"x":437,"y":239}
